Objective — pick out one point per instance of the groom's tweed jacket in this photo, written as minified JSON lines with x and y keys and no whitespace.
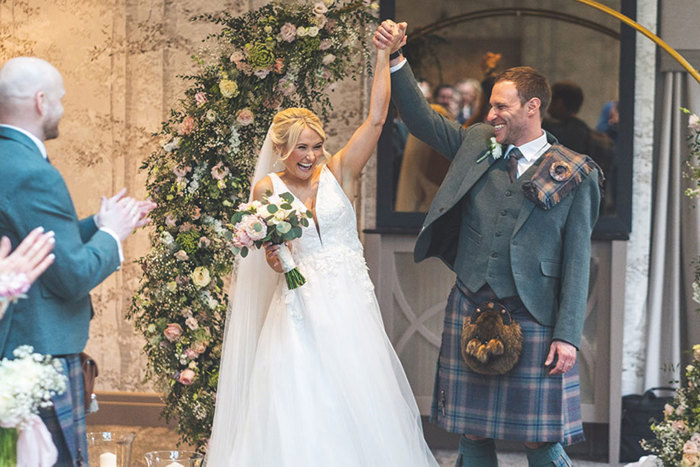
{"x":55,"y":316}
{"x":549,"y":249}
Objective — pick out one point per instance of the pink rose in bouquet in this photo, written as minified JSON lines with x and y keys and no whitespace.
{"x":276,"y":219}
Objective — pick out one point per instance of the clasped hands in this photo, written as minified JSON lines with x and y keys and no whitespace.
{"x":122,"y":214}
{"x":390,"y":35}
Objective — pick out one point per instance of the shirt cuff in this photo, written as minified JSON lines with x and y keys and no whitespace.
{"x":116,"y":239}
{"x":398,"y":66}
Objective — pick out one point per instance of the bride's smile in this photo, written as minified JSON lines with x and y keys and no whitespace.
{"x":302,"y":161}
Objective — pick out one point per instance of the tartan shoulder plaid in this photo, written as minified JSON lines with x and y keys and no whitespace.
{"x":559,"y":173}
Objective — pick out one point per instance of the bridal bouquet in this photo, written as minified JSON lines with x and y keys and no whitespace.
{"x":276,"y":219}
{"x":28,"y":383}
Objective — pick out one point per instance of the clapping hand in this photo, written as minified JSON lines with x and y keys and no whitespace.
{"x":31,"y":257}
{"x":122,"y":214}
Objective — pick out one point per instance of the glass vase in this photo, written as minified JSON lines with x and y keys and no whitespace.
{"x":110,"y":448}
{"x":174,"y":459}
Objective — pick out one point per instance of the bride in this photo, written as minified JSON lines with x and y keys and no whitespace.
{"x":308,"y":376}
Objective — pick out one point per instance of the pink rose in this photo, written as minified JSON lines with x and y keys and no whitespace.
{"x":328,"y":59}
{"x":286,"y":86}
{"x":186,"y":127}
{"x":262,"y":74}
{"x":245,"y":117}
{"x":694,"y":122}
{"x":288,"y":32}
{"x":192,"y":323}
{"x":180,"y":172}
{"x":204,"y":242}
{"x":200,"y":98}
{"x":330,"y":24}
{"x":191,"y":354}
{"x":240,"y":238}
{"x":170,"y":220}
{"x":245,"y":68}
{"x":272,"y":102}
{"x":186,"y":226}
{"x":320,"y":9}
{"x":186,"y":377}
{"x":219,"y":172}
{"x":237,"y":57}
{"x":678,"y":425}
{"x":181,"y":255}
{"x":254,"y":227}
{"x":325,"y":44}
{"x":199,"y":347}
{"x":173,"y":332}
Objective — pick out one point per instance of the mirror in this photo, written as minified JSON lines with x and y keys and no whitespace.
{"x":457,"y":47}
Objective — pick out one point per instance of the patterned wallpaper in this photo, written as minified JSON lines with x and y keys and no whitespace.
{"x":120,"y":61}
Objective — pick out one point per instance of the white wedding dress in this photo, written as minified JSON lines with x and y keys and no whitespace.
{"x":326,"y":388}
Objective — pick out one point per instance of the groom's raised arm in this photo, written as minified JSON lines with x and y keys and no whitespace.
{"x":422,"y":121}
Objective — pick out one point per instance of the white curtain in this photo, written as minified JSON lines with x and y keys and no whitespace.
{"x":672,"y":324}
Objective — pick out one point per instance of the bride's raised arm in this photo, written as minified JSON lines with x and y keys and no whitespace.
{"x":347,"y":164}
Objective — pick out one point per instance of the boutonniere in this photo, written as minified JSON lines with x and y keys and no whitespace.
{"x":495,"y":150}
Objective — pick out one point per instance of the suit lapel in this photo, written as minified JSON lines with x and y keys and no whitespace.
{"x":473,"y":174}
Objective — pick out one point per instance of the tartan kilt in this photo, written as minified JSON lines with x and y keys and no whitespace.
{"x":65,"y":419}
{"x":526,"y":404}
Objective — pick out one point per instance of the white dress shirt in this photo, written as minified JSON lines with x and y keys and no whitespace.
{"x":42,"y":149}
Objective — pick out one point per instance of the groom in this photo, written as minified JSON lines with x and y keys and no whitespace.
{"x":513,"y":219}
{"x":55,"y":316}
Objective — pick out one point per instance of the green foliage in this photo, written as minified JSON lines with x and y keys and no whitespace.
{"x":281,"y":55}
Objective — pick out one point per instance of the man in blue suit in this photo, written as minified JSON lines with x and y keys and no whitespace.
{"x":513,"y":219}
{"x":55,"y":316}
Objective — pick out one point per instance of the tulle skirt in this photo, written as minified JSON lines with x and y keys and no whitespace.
{"x":327,"y":388}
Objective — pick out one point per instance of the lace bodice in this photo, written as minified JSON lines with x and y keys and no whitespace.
{"x":337,"y":225}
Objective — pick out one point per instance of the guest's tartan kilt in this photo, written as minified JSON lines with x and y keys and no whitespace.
{"x":526,"y":404}
{"x":65,"y":419}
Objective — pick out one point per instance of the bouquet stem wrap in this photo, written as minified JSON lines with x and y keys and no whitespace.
{"x":8,"y":446}
{"x":291,"y":273}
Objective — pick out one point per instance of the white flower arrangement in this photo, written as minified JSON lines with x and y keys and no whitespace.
{"x":28,"y":383}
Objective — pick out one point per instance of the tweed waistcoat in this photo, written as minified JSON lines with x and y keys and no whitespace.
{"x":489,"y":213}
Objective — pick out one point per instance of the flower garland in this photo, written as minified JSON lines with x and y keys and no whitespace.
{"x":280,"y":55}
{"x":677,"y":440}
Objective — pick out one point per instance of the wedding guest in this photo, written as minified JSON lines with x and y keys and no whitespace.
{"x":55,"y":316}
{"x":446,"y":96}
{"x":21,"y":268}
{"x":470,"y":90}
{"x":513,"y":219}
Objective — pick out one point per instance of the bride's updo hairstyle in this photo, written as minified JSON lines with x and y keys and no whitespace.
{"x":287,"y":126}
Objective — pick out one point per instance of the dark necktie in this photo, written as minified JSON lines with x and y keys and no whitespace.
{"x":512,"y":163}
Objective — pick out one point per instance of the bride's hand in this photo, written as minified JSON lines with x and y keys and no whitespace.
{"x":273,"y":260}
